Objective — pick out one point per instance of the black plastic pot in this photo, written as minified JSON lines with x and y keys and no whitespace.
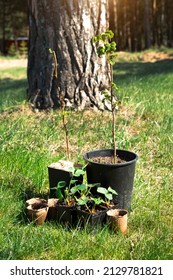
{"x":66,"y":215}
{"x":57,"y":175}
{"x":119,"y":176}
{"x":91,"y":220}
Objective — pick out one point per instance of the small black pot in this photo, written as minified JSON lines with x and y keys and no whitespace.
{"x":57,"y":175}
{"x":66,"y":215}
{"x":118,"y":176}
{"x":90,"y":220}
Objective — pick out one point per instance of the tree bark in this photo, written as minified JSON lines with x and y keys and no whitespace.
{"x":66,"y":26}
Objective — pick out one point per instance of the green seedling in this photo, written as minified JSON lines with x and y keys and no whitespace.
{"x":108,"y":194}
{"x":105,"y":46}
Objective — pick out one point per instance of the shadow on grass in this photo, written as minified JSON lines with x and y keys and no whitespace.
{"x":12,"y":92}
{"x":128,"y":70}
{"x":26,"y":194}
{"x":10,"y":84}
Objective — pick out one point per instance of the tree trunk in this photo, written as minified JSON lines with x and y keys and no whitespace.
{"x":3,"y":7}
{"x":147,"y":33}
{"x":66,"y":26}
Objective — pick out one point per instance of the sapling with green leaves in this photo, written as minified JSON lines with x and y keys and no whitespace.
{"x":105,"y":46}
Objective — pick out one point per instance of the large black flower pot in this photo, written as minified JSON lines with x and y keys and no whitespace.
{"x":119,"y":176}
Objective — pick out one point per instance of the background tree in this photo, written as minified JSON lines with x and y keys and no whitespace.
{"x":13,"y":21}
{"x":141,"y":24}
{"x":67,"y":28}
{"x":137,"y":24}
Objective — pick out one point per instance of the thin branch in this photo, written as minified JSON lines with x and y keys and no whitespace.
{"x":62,"y":104}
{"x":113,"y":115}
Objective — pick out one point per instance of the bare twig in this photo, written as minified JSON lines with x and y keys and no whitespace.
{"x":62,"y":104}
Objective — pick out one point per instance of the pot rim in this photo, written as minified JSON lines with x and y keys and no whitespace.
{"x":29,"y":207}
{"x":114,"y":211}
{"x":89,"y":159}
{"x":34,"y":200}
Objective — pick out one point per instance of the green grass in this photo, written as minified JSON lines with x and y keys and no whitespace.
{"x":29,"y":142}
{"x":12,"y":87}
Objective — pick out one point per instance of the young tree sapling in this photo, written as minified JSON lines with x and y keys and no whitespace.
{"x":105,"y":46}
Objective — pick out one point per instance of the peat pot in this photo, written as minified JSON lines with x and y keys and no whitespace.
{"x":119,"y":176}
{"x":34,"y":200}
{"x":37,"y":212}
{"x":117,"y":220}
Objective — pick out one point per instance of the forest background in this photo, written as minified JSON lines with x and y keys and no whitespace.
{"x":137,"y":24}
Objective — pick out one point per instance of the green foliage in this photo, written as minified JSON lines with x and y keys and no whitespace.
{"x":108,"y":193}
{"x":66,"y":192}
{"x":84,"y":192}
{"x":23,"y":49}
{"x":12,"y":50}
{"x":92,"y":201}
{"x":106,"y":46}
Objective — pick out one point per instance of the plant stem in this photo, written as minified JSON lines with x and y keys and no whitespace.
{"x":64,"y":124}
{"x":62,"y":104}
{"x":113,"y":115}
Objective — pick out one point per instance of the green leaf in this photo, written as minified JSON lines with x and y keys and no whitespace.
{"x":102,"y":190}
{"x":61,"y":184}
{"x":73,"y":181}
{"x":112,"y":191}
{"x":98,"y":200}
{"x":109,"y":196}
{"x":109,"y":33}
{"x":113,"y":46}
{"x":82,"y":200}
{"x":74,"y":189}
{"x":100,"y":51}
{"x":71,"y":169}
{"x":94,"y":185}
{"x":59,"y":194}
{"x":79,"y":172}
{"x":82,"y":187}
{"x":95,"y":39}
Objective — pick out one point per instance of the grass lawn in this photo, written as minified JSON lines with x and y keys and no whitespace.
{"x":30,"y":141}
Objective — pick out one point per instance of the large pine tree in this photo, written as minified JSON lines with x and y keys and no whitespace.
{"x":67,"y":28}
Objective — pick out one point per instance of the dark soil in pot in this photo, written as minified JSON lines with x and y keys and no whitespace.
{"x":108,"y":160}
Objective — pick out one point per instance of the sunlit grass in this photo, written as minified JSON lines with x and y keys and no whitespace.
{"x":30,"y":141}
